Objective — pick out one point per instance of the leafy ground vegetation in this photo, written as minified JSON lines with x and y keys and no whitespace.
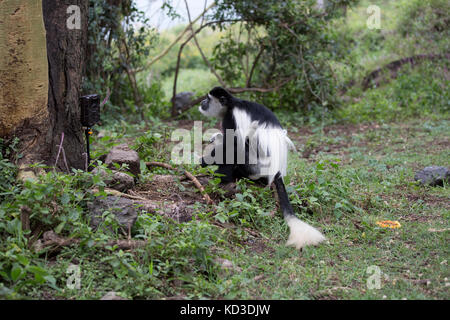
{"x":354,"y":166}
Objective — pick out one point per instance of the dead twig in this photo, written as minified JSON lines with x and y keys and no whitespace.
{"x":121,"y":194}
{"x":438,"y":230}
{"x":25,"y":213}
{"x":61,"y":148}
{"x":51,"y":239}
{"x":263,"y":90}
{"x":189,"y":175}
{"x":108,"y":94}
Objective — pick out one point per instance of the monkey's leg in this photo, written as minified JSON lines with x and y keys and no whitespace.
{"x":226,"y":172}
{"x":216,"y":143}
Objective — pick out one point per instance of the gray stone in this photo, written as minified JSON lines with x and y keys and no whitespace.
{"x":227,"y":265}
{"x":433,"y":176}
{"x":112,"y":295}
{"x":122,"y":154}
{"x":182,"y":99}
{"x":124,"y":210}
{"x":119,"y":181}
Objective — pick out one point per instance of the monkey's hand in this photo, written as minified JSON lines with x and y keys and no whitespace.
{"x":216,"y":138}
{"x":215,"y":141}
{"x":203,"y":164}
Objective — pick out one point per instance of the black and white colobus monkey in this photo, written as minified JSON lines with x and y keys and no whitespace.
{"x":254,"y":145}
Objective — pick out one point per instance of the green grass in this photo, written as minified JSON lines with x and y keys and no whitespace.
{"x":354,"y":176}
{"x":352,"y":169}
{"x":380,"y":186}
{"x":419,"y":91}
{"x":198,"y":81}
{"x":407,"y":28}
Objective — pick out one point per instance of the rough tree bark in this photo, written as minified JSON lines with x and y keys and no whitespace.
{"x":41,"y":67}
{"x":23,"y":76}
{"x":66,"y":50}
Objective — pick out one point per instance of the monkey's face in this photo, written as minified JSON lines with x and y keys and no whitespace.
{"x":211,"y":107}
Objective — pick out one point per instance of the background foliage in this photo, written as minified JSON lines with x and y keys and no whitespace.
{"x":119,"y":40}
{"x":358,"y":150}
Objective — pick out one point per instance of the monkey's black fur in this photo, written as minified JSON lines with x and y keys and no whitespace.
{"x":257,"y":112}
{"x":255,"y":119}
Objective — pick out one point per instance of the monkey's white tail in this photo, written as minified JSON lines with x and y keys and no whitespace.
{"x":301,"y":233}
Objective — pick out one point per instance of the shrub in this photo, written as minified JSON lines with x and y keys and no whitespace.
{"x":415,"y":92}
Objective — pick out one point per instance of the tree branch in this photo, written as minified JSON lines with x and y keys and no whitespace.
{"x":239,"y":90}
{"x":303,"y":61}
{"x":187,"y":174}
{"x":262,"y":90}
{"x":177,"y":69}
{"x":255,"y":62}
{"x":200,"y":49}
{"x":162,"y":54}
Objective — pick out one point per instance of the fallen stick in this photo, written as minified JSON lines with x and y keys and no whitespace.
{"x":121,"y":194}
{"x":439,"y":230}
{"x":189,"y":175}
{"x":159,"y":164}
{"x":50,"y":239}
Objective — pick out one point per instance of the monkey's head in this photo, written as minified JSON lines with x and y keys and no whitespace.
{"x":216,"y":103}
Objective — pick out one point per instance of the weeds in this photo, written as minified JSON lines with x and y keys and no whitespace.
{"x":358,"y":170}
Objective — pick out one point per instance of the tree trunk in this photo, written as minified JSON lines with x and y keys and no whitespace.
{"x":66,"y":49}
{"x":23,"y":77}
{"x":41,"y":67}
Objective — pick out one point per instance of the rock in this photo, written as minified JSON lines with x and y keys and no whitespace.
{"x":126,"y":210}
{"x":122,"y":154}
{"x":164,"y":178}
{"x":102,"y":158}
{"x":112,"y":295}
{"x":227,"y":265}
{"x":182,"y":99}
{"x":433,"y":176}
{"x":102,"y":133}
{"x":230,"y":189}
{"x":123,"y":209}
{"x":178,"y":211}
{"x":119,"y":181}
{"x":224,"y":263}
{"x":24,"y":175}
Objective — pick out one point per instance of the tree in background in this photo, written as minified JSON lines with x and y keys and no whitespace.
{"x":120,"y":38}
{"x":279,"y":51}
{"x":41,"y":70}
{"x":275,"y":51}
